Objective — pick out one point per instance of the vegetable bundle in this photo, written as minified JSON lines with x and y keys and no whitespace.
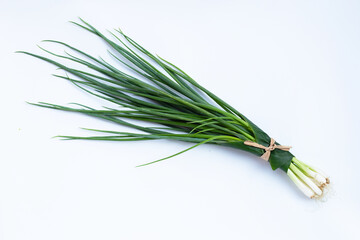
{"x":158,"y":92}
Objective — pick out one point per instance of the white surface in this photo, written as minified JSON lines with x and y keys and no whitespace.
{"x":291,"y":66}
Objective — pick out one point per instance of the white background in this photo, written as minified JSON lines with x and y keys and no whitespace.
{"x":292,"y":67}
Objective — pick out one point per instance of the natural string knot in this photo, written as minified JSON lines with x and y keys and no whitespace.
{"x":268,"y":149}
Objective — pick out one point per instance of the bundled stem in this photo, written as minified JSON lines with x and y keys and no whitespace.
{"x":158,"y":92}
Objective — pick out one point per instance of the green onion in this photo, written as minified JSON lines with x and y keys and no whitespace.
{"x":158,"y":92}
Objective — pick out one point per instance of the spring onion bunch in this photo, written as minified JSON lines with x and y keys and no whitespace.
{"x":181,"y":109}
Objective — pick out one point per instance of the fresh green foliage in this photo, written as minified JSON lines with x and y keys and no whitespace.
{"x":156,"y":92}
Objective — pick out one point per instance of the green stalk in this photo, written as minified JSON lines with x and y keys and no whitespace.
{"x":158,"y":92}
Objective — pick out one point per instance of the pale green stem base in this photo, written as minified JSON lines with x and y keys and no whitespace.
{"x":309,"y":180}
